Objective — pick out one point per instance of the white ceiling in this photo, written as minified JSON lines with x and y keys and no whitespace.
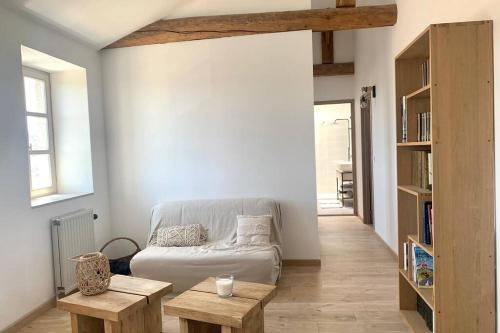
{"x":100,"y":22}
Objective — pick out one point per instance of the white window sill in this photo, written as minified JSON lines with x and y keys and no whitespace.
{"x":53,"y":198}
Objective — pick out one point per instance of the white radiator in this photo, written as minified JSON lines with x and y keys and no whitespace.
{"x":72,"y":235}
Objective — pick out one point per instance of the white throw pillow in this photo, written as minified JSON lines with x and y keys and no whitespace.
{"x":178,"y":235}
{"x":253,"y":230}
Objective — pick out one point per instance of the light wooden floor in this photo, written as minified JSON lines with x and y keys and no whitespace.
{"x":355,"y":290}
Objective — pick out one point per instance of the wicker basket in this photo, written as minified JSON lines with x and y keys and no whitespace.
{"x":121,"y":265}
{"x":92,"y":273}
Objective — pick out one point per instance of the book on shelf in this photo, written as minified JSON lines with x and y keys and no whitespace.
{"x":423,"y":268}
{"x":419,"y":126}
{"x":421,"y":167}
{"x":404,"y":120}
{"x":405,"y":256}
{"x":430,"y":215}
{"x":413,"y":261}
{"x":427,"y":222}
{"x":429,"y":160}
{"x":425,"y":312}
{"x":424,"y":67}
{"x":424,"y":126}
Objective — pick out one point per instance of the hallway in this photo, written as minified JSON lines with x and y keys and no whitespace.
{"x":355,"y":290}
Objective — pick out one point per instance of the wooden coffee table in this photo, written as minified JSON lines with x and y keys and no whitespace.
{"x":130,"y":305}
{"x":201,"y":310}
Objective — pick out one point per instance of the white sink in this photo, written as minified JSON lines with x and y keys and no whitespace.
{"x":345,"y":166}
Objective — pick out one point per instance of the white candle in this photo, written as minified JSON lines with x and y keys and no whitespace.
{"x":224,"y":285}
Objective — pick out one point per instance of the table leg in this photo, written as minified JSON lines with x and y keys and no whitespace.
{"x":255,"y":324}
{"x":338,"y":190}
{"x":183,"y":325}
{"x":342,"y":186}
{"x":134,"y":323}
{"x":152,"y":317}
{"x":112,"y":326}
{"x":86,"y":324}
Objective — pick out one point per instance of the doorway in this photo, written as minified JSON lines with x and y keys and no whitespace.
{"x":335,"y":158}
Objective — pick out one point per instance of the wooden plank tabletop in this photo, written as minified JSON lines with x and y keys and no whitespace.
{"x":257,"y":291}
{"x":152,"y":289}
{"x":210,"y":308}
{"x":110,"y":305}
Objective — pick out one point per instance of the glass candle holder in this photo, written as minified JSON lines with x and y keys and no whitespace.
{"x":224,"y":284}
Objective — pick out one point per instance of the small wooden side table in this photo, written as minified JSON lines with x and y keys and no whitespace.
{"x":201,"y":310}
{"x":130,"y":305}
{"x":151,"y":289}
{"x":109,"y":312}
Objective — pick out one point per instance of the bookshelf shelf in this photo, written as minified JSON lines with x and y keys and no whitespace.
{"x":464,"y":71}
{"x":425,"y":293}
{"x":427,"y":248}
{"x":424,"y":92}
{"x":414,"y":190}
{"x":415,"y":321}
{"x":417,"y":145}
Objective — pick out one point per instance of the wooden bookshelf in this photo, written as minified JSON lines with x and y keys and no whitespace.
{"x":459,"y":99}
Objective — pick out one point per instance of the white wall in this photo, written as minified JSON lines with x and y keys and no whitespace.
{"x":70,"y":114}
{"x":210,"y":119}
{"x":26,"y":279}
{"x":373,"y":48}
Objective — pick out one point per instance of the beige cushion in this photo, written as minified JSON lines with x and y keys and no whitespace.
{"x":189,"y":235}
{"x":254,"y":230}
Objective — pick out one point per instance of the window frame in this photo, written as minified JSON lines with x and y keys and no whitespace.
{"x":45,"y":77}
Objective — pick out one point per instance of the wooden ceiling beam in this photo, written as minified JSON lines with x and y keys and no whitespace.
{"x":334,"y":69}
{"x":327,"y":47}
{"x":207,"y":27}
{"x":346,"y":3}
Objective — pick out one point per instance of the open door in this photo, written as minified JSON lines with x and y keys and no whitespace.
{"x":335,"y":158}
{"x":366,"y":155}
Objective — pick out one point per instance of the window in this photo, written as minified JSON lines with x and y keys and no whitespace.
{"x":40,"y":135}
{"x":58,"y":128}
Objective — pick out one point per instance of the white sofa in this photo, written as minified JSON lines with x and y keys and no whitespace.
{"x":187,"y":266}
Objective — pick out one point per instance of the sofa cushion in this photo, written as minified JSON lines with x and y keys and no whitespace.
{"x":178,"y":235}
{"x":253,"y":230}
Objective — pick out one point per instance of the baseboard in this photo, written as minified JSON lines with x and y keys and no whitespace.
{"x":29,"y":317}
{"x":302,"y":262}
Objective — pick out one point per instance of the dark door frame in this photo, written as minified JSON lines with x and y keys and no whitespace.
{"x":367,"y":155}
{"x":353,"y":148}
